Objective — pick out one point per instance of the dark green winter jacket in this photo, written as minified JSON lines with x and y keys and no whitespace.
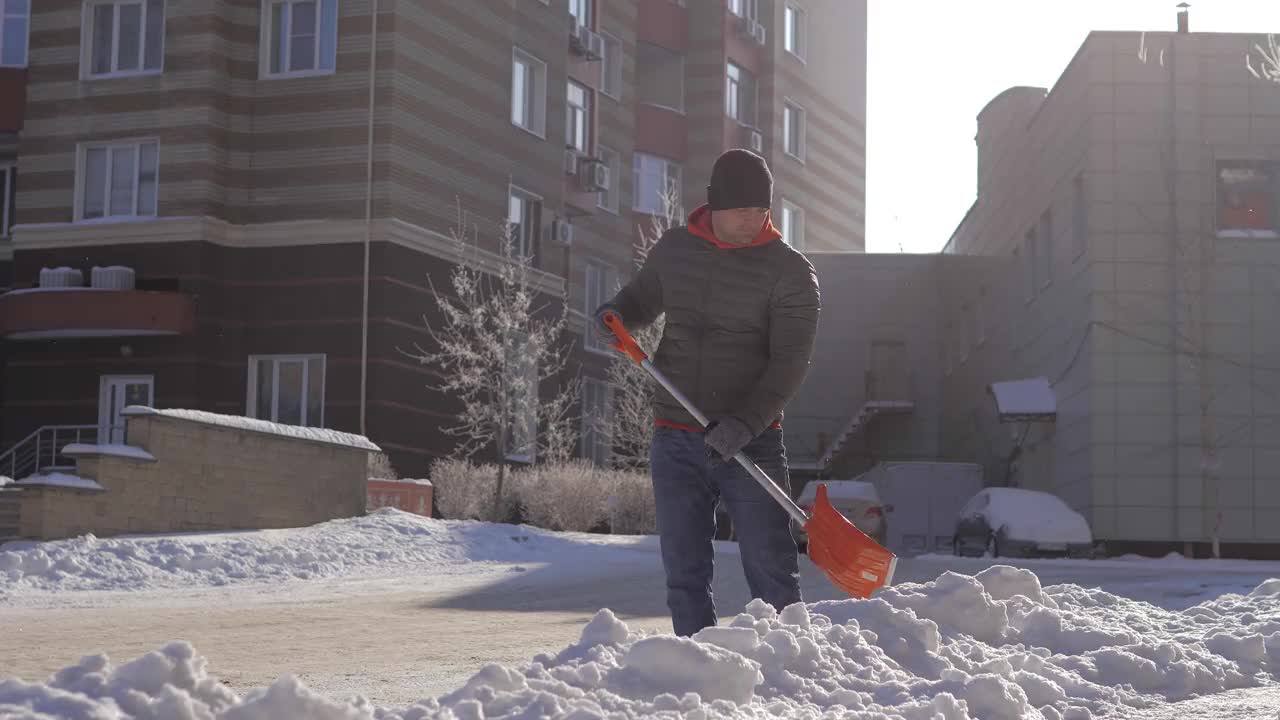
{"x":740,"y":322}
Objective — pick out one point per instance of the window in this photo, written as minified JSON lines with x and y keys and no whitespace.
{"x":581,"y":9}
{"x":792,"y":225}
{"x":740,"y":95}
{"x":660,"y":76}
{"x":287,"y":389}
{"x":1247,"y":198}
{"x":15,"y":23}
{"x":300,"y":37}
{"x":1044,"y":250}
{"x":793,"y":129}
{"x":655,"y":185}
{"x":744,"y":8}
{"x":793,"y":36}
{"x":528,"y":92}
{"x":600,"y":281}
{"x":117,"y":180}
{"x":122,"y":38}
{"x":597,"y":408}
{"x":8,"y":197}
{"x":522,"y":398}
{"x":524,"y":212}
{"x":608,"y":199}
{"x":611,"y":67}
{"x":577,"y":125}
{"x":1079,"y":218}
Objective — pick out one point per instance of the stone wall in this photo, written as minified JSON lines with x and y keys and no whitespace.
{"x":203,"y":477}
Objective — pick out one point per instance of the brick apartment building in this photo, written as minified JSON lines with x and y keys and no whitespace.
{"x":198,"y":194}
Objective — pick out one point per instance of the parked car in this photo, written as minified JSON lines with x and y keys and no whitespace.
{"x":857,"y":500}
{"x":1014,"y":522}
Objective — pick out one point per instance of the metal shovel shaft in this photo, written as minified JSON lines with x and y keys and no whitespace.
{"x":754,"y":470}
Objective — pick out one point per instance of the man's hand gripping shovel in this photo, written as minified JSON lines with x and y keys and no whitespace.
{"x":851,"y":560}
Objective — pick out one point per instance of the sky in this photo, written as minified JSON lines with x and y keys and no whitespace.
{"x":932,"y":65}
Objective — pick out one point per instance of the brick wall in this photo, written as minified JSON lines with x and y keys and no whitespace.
{"x":204,"y":477}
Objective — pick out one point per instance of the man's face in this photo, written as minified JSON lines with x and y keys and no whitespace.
{"x":738,"y":226}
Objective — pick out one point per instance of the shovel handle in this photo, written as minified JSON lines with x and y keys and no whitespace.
{"x":626,"y":344}
{"x":632,"y":349}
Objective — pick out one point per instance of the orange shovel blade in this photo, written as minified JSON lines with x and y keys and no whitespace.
{"x":851,"y":560}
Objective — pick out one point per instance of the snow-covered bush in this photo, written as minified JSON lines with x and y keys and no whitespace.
{"x":380,"y":467}
{"x":633,"y":510}
{"x":464,"y":491}
{"x":571,"y":496}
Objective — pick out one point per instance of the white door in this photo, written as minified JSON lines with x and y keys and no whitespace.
{"x":116,"y":393}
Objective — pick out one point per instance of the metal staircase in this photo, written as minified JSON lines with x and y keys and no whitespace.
{"x":41,"y":451}
{"x":884,"y":396}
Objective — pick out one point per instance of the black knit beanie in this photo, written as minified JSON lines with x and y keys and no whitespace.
{"x":739,"y":179}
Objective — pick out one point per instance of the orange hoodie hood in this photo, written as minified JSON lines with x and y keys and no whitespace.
{"x":700,"y":225}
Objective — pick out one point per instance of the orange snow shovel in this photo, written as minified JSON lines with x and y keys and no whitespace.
{"x":851,"y":560}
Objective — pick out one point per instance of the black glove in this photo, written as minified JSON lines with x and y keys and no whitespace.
{"x":727,"y":436}
{"x":605,"y":331}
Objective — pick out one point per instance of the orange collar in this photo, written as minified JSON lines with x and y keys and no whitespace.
{"x":700,"y":225}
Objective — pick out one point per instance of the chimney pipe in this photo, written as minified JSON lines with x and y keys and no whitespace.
{"x":1184,"y":22}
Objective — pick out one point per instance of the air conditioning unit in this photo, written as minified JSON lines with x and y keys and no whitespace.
{"x":61,"y":277}
{"x":560,"y":232}
{"x":595,"y":45}
{"x":115,"y":277}
{"x":584,"y":41}
{"x":596,"y":178}
{"x":746,"y":27}
{"x":575,"y":36}
{"x":570,"y":161}
{"x":758,"y":32}
{"x":755,"y":140}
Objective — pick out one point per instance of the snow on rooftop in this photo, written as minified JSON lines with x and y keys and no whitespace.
{"x":1020,"y":398}
{"x":992,"y":645}
{"x":111,"y":449}
{"x":403,"y":481}
{"x":323,"y":435}
{"x":58,"y":479}
{"x":839,"y":490}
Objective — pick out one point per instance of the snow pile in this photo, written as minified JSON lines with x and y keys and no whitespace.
{"x":995,"y":645}
{"x":384,"y":543}
{"x":59,"y":479}
{"x":109,"y":449}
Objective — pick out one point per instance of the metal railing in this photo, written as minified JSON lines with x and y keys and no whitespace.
{"x":42,"y":449}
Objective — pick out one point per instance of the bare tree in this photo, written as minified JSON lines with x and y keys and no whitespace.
{"x":1194,"y":257}
{"x":630,"y":427}
{"x":1268,"y":61}
{"x":496,"y":346}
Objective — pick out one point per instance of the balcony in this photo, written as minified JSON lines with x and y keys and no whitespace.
{"x":46,"y":313}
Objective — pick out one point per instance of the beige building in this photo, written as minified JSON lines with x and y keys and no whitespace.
{"x":1123,"y":246}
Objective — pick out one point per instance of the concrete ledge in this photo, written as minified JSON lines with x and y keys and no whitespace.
{"x":246,"y":424}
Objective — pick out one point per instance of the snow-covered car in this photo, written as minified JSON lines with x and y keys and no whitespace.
{"x":857,"y":500}
{"x":1014,"y":522}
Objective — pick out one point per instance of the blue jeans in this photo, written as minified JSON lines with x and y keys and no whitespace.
{"x":688,"y":479}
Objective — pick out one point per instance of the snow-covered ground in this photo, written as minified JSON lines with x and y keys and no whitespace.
{"x":956,"y":638}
